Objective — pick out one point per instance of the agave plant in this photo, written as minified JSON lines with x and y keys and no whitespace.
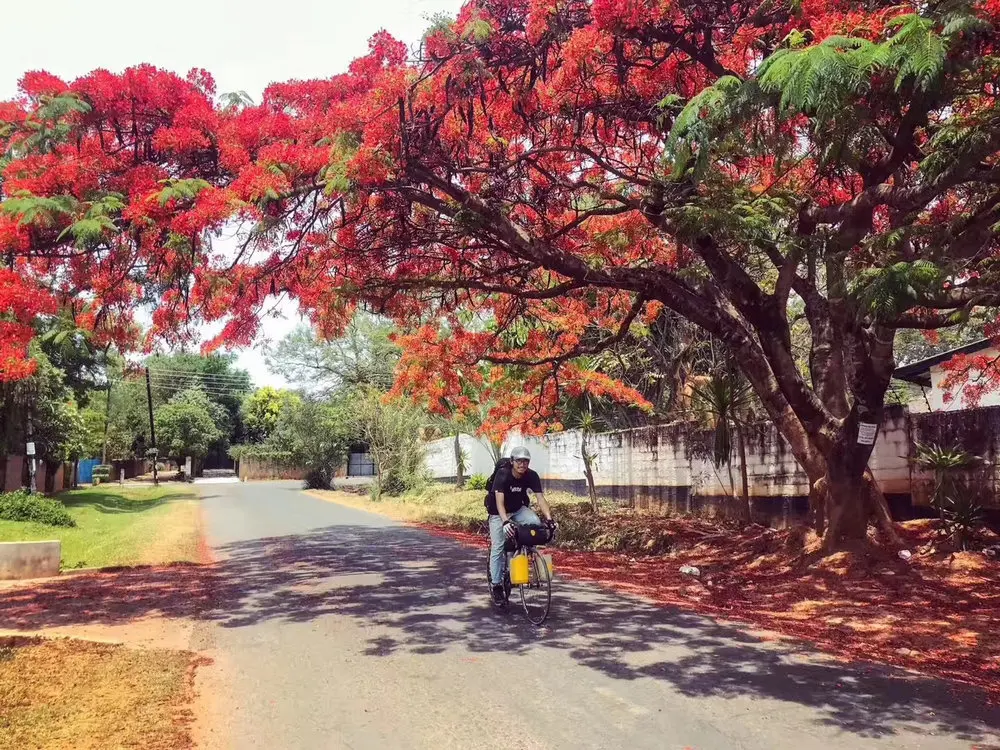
{"x":954,"y":500}
{"x":728,"y":398}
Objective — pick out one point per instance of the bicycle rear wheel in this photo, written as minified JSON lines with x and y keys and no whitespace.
{"x":536,"y":594}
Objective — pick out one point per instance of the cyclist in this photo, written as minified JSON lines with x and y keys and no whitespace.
{"x":507,"y":505}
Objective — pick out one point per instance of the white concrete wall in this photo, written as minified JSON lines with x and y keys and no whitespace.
{"x":659,"y":457}
{"x":440,"y":460}
{"x":29,"y":559}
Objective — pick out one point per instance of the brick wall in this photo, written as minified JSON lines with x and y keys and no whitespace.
{"x":50,"y":477}
{"x":251,"y":469}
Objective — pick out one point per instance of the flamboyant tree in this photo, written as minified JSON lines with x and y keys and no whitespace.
{"x":540,"y":182}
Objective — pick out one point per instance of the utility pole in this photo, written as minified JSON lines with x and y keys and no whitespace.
{"x":107,"y":410}
{"x":152,"y":429}
{"x":107,"y":424}
{"x":30,"y":450}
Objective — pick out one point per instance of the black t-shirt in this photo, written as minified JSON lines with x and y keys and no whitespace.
{"x":515,"y":491}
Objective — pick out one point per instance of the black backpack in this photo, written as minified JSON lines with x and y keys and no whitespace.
{"x":503,"y":463}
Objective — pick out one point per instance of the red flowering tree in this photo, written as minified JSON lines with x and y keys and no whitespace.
{"x":541,"y":182}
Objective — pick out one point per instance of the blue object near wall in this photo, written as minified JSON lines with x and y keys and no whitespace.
{"x":86,"y":475}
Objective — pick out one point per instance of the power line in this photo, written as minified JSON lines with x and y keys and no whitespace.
{"x":183,"y":385}
{"x":203,"y":383}
{"x":209,"y":391}
{"x":205,"y":375}
{"x":209,"y":381}
{"x":191,"y":380}
{"x":178,"y":371}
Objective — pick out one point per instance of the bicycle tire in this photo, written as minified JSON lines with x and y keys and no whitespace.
{"x":540,"y":583}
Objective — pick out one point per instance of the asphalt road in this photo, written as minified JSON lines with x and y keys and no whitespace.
{"x":342,"y":629}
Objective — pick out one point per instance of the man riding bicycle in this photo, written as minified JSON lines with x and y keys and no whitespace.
{"x":507,"y":505}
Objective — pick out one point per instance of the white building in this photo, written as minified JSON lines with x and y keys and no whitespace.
{"x":929,"y":374}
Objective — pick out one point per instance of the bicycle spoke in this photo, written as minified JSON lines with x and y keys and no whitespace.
{"x":536,"y":595}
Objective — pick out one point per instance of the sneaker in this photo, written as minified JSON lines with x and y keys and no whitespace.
{"x":498,"y":598}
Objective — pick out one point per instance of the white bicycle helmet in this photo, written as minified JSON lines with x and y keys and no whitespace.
{"x":520,"y":452}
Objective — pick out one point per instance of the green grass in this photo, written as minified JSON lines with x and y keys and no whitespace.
{"x":441,"y":505}
{"x":614,"y":529}
{"x":120,"y":526}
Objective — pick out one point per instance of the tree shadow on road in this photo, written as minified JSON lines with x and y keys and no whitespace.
{"x":427,"y":595}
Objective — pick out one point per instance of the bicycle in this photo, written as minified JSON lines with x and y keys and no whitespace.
{"x":536,"y":594}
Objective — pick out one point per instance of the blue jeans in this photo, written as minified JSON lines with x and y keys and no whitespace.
{"x":524,"y":516}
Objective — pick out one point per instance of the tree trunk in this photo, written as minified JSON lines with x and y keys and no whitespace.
{"x":846,"y":511}
{"x":744,"y":478}
{"x":588,"y":473}
{"x":852,"y":495}
{"x":817,"y":505}
{"x":459,"y":463}
{"x":881,"y":510}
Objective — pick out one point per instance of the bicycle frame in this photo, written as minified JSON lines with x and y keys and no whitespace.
{"x":536,"y":563}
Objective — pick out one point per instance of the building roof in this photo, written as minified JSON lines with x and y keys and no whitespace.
{"x":920,"y":371}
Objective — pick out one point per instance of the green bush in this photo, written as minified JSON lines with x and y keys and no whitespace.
{"x":102,"y":473}
{"x":318,"y":479}
{"x":20,"y":506}
{"x":476,"y":482}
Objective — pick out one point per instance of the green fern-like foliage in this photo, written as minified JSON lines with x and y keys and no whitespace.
{"x":820,"y":80}
{"x":89,"y":231}
{"x":181,"y":191}
{"x":342,"y":149}
{"x":57,"y":107}
{"x":695,"y":125}
{"x":87,"y":222}
{"x":915,"y":51}
{"x":37,"y":210}
{"x":958,"y":143}
{"x":478,"y":30}
{"x":884,"y":293}
{"x":50,"y":125}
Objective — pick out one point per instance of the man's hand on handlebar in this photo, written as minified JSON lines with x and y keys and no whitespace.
{"x":510,"y":528}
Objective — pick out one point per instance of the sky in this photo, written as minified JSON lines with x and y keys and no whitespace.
{"x":244,"y":44}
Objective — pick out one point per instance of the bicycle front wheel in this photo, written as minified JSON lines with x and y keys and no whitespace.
{"x":536,"y":594}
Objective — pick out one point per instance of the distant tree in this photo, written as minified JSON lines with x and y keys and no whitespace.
{"x":364,"y":355}
{"x":94,"y":418}
{"x":45,"y":398}
{"x":316,"y":434}
{"x":128,"y":427}
{"x":217,"y":377}
{"x":72,"y":349}
{"x":727,"y":399}
{"x":393,"y":434}
{"x":185,"y":427}
{"x":261,"y":411}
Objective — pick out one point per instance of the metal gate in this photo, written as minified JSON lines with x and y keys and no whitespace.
{"x":360,"y":464}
